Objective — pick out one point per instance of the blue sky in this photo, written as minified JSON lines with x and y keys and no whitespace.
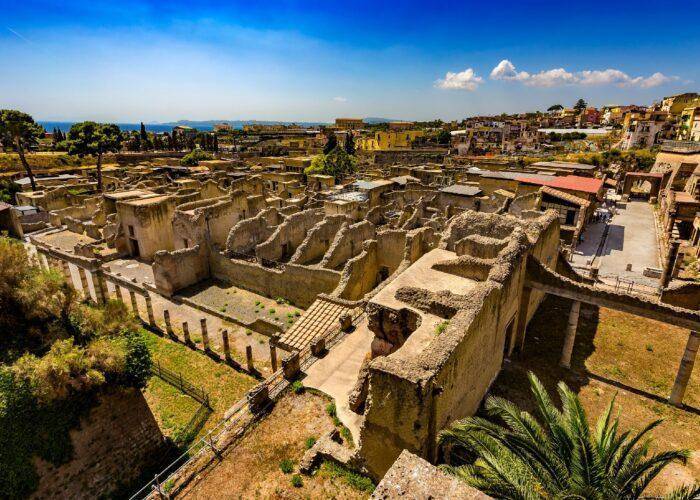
{"x":288,"y":60}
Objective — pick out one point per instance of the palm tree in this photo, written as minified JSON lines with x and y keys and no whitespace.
{"x":558,"y":458}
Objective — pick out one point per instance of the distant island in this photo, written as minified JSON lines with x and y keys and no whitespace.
{"x":203,"y":125}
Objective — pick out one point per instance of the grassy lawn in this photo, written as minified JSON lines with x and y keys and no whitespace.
{"x":615,"y":354}
{"x":264,"y":463}
{"x":174,"y":410}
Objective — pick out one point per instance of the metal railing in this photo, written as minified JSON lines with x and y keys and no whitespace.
{"x":178,"y":381}
{"x":276,"y":385}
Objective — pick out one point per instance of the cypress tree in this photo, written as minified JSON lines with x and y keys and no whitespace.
{"x":331,"y":144}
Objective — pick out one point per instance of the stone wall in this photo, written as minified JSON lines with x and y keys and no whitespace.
{"x":282,"y":244}
{"x":248,"y":233}
{"x":115,"y":442}
{"x":318,"y":240}
{"x":415,"y":393}
{"x":298,"y":284}
{"x":347,"y":244}
{"x":173,"y":271}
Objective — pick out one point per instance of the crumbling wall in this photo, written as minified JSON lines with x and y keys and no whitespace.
{"x":526,"y":202}
{"x":173,"y":271}
{"x":301,"y":285}
{"x":413,"y":394}
{"x":347,"y":244}
{"x":318,"y":240}
{"x":391,"y":246}
{"x":282,"y":244}
{"x":248,"y":233}
{"x":360,"y":274}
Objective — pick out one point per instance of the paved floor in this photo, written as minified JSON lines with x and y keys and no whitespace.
{"x":337,"y":373}
{"x":631,"y":240}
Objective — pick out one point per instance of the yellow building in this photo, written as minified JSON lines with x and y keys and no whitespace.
{"x":349,"y":123}
{"x":676,"y":104}
{"x":389,"y":140}
{"x":690,"y":124}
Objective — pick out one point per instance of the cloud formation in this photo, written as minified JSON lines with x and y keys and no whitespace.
{"x":464,"y":80}
{"x":505,"y":70}
{"x":340,"y":99}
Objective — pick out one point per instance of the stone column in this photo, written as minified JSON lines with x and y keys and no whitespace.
{"x":291,"y":366}
{"x":149,"y":310}
{"x":168,"y":326}
{"x":66,"y":271}
{"x":186,"y":332}
{"x":522,"y":319}
{"x":84,"y":283}
{"x":100,"y":287}
{"x":249,"y":358}
{"x":570,"y":335}
{"x":273,"y":356}
{"x":685,"y":369}
{"x":666,"y":277}
{"x":205,"y":334}
{"x":227,"y":347}
{"x":134,"y":304}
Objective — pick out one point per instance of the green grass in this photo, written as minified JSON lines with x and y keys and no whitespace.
{"x":173,"y":409}
{"x":351,"y":478}
{"x":287,"y":466}
{"x":309,"y":442}
{"x":441,"y":327}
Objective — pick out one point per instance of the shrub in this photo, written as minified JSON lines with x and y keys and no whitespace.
{"x":138,"y":364}
{"x":194,"y":157}
{"x":287,"y":466}
{"x":330,"y":409}
{"x":297,"y":482}
{"x":441,"y":327}
{"x":352,"y":478}
{"x":310,"y":442}
{"x":297,"y":387}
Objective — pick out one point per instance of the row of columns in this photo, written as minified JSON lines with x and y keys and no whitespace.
{"x":685,"y":369}
{"x":102,"y":295}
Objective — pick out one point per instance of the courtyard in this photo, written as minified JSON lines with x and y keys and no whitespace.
{"x":630,"y":240}
{"x":615,"y":355}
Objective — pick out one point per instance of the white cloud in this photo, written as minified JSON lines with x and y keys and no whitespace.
{"x":464,"y":80}
{"x":505,"y":70}
{"x":340,"y":99}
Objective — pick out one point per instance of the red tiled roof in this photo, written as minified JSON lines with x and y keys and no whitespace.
{"x":570,"y":182}
{"x":566,"y":196}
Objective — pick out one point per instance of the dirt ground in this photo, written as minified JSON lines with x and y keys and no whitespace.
{"x":614,"y":353}
{"x":242,"y":304}
{"x":252,"y":468}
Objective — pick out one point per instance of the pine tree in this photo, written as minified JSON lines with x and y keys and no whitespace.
{"x":580,"y":105}
{"x":143,"y":134}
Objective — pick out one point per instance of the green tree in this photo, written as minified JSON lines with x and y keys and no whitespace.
{"x":142,"y":133}
{"x":555,"y":107}
{"x":580,"y":105}
{"x":331,"y":143}
{"x":337,"y":163}
{"x":20,"y":130}
{"x":561,"y":457}
{"x":444,"y":137}
{"x":90,"y":138}
{"x":350,"y":144}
